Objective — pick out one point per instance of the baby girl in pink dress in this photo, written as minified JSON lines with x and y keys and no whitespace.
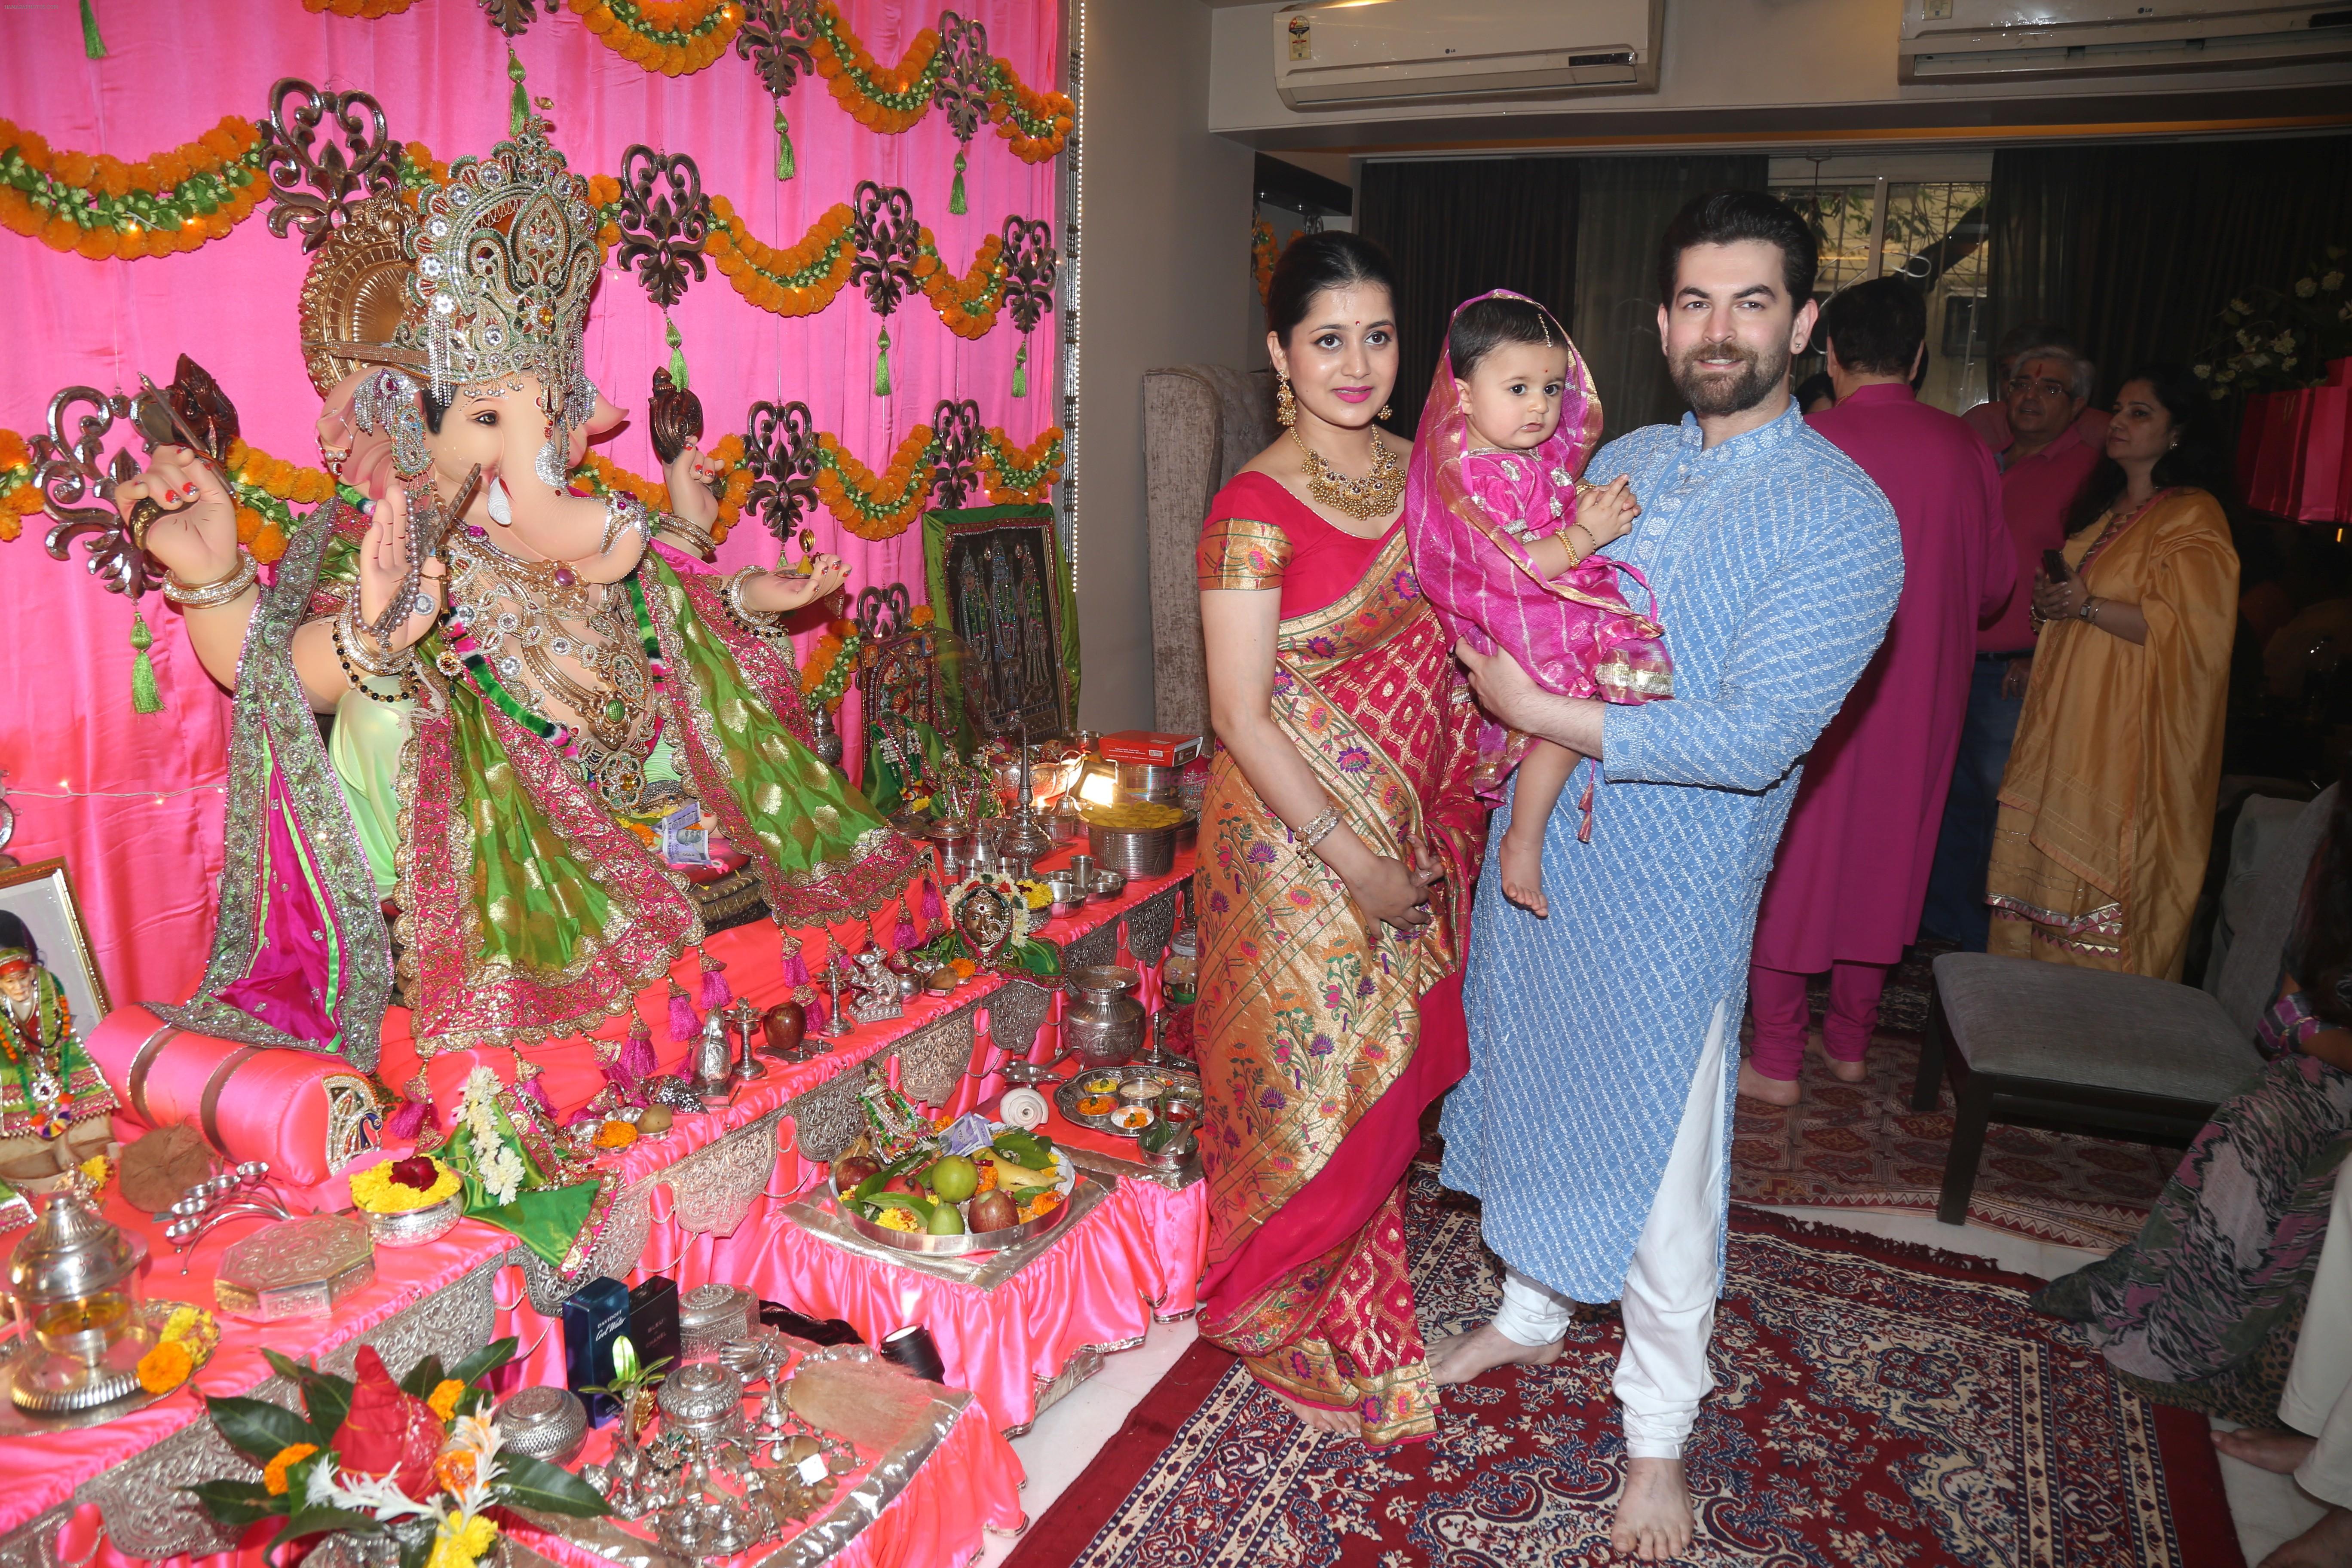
{"x":1503,"y":536}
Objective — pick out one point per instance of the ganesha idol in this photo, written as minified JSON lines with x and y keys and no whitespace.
{"x":540,"y":703}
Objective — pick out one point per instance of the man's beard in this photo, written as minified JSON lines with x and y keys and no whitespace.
{"x":1715,"y":390}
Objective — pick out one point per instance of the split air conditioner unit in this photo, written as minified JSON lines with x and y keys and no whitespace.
{"x":2020,"y":40}
{"x":1354,"y":54}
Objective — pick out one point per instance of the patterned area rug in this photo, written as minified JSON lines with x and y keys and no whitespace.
{"x":1860,"y":1146}
{"x":1879,"y":1404}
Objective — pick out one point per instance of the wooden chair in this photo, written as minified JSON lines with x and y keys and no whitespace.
{"x":2121,"y":1053}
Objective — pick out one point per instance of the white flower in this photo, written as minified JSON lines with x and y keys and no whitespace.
{"x":2203,"y":371}
{"x":2245,"y":340}
{"x":2287,"y":363}
{"x":2343,"y":312}
{"x":2332,"y":281}
{"x":2282,"y":343}
{"x":357,"y":1493}
{"x":2240,"y":306}
{"x":2304,"y":288}
{"x":2258,"y":360}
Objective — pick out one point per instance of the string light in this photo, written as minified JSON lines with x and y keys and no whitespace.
{"x":113,"y":793}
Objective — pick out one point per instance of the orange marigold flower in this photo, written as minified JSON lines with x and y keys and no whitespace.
{"x":273,"y":1474}
{"x":269,"y":544}
{"x":445,"y":1396}
{"x":454,"y":1470}
{"x":165,"y":1367}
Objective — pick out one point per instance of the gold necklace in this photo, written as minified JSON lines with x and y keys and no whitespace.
{"x":1374,"y":495}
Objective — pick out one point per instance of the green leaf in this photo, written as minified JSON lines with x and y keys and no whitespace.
{"x":258,"y":1429}
{"x":423,"y":1378}
{"x":415,"y":1544}
{"x":478,"y":1365}
{"x":327,"y":1398}
{"x":536,"y":1484}
{"x":320,"y":1520}
{"x":237,"y":1503}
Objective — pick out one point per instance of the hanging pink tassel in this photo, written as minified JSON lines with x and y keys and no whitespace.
{"x":932,"y":910}
{"x":408,"y":1120}
{"x":637,"y":1058}
{"x":796,"y":969}
{"x":684,"y":1027}
{"x":530,"y":1090}
{"x":902,"y":935}
{"x":716,"y":993}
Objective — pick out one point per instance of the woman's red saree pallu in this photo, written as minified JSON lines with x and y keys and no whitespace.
{"x":1324,"y":1036}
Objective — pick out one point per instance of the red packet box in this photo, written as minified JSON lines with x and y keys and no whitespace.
{"x":1149,"y":746}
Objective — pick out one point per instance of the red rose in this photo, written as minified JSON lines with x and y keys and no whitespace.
{"x":417,"y":1173}
{"x":389,"y":1433}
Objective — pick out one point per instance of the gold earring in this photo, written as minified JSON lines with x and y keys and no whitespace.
{"x":1285,"y":407}
{"x":1386,"y":411}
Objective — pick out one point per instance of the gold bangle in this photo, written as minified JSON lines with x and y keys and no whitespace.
{"x":1318,"y":830}
{"x":698,"y":542}
{"x":766,"y":623}
{"x":218,"y":592}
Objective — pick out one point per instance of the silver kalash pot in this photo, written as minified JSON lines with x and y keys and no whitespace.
{"x":1104,"y":1022}
{"x":75,"y":1282}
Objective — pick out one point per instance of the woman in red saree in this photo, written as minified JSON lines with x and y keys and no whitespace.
{"x":1340,"y":838}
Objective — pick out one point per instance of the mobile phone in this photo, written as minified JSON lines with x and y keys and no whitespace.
{"x":2053,"y":566}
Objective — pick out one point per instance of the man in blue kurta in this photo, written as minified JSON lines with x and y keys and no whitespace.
{"x":1603,"y":1040}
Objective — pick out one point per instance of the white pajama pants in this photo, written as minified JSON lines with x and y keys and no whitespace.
{"x":1670,"y":1290}
{"x":2318,"y":1398}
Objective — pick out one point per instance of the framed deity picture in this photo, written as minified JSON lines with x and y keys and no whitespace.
{"x":995,"y":579}
{"x":41,"y":933}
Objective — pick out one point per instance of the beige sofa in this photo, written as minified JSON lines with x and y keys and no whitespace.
{"x":1201,"y":424}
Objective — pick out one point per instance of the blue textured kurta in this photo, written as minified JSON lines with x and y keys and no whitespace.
{"x":1777,"y":564}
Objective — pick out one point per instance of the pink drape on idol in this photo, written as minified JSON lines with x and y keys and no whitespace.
{"x":144,"y":865}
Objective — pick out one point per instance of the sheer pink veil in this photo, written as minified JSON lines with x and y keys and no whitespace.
{"x":1435,"y":496}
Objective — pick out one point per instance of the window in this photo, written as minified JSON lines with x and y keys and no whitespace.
{"x":1921,"y":217}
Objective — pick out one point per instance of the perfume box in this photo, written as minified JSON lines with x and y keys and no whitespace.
{"x":595,"y":1316}
{"x":653,"y":1321}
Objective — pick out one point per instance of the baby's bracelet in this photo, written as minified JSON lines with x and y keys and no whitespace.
{"x":1314,"y":832}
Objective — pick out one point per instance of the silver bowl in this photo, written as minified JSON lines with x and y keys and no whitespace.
{"x":546,"y":1423}
{"x":1109,"y":884}
{"x":415,"y":1227}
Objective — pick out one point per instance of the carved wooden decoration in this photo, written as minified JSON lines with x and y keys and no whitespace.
{"x":779,"y":449}
{"x":955,"y":441}
{"x":775,"y":37}
{"x":887,"y":239}
{"x":324,"y":152}
{"x":665,"y":219}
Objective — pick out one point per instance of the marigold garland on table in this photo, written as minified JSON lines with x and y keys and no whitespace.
{"x":96,"y":206}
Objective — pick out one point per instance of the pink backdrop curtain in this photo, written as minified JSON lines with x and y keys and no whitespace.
{"x":144,"y":864}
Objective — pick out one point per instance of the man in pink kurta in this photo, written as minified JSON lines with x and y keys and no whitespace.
{"x":1845,"y":891}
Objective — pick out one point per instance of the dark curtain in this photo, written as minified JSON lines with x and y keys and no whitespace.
{"x":1625,"y":205}
{"x":2138,"y":248}
{"x":1460,"y":227}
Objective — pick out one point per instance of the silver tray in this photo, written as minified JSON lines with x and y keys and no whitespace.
{"x":1073,"y":1089}
{"x":955,"y":1246}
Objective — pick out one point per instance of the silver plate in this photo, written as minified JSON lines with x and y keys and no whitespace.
{"x":956,"y":1246}
{"x":1073,"y":1089}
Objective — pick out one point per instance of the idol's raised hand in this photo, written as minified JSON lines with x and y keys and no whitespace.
{"x":190,"y":521}
{"x":689,"y":476}
{"x":383,"y":573}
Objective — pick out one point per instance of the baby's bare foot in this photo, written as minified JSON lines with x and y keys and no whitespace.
{"x":1521,"y":864}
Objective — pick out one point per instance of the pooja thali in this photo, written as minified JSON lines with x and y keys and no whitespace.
{"x":1060,"y":1181}
{"x":1125,"y":1101}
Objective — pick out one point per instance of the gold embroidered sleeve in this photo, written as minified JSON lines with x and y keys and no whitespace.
{"x":1238,"y":552}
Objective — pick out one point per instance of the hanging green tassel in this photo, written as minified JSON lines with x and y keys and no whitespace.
{"x":882,"y":366}
{"x":676,"y":353}
{"x":955,"y":192}
{"x":518,"y":109}
{"x":1021,"y":371}
{"x":95,"y":47}
{"x":785,"y":167}
{"x":144,"y":696}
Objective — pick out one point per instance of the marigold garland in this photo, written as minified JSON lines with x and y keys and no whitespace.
{"x":894,"y":99}
{"x":675,"y":37}
{"x":1019,"y":473}
{"x":601,"y":476}
{"x":804,"y":277}
{"x":967,"y":305}
{"x":875,"y":507}
{"x":96,"y":206}
{"x":20,"y":496}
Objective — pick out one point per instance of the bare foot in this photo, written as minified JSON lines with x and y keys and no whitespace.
{"x":1461,"y":1357}
{"x":2328,"y":1544}
{"x":1521,"y":865}
{"x":1848,"y":1072}
{"x":1754,"y":1085}
{"x":2266,"y":1448}
{"x":1654,"y":1521}
{"x":1315,"y":1418}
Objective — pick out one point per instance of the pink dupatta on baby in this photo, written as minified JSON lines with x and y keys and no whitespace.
{"x":1575,"y":634}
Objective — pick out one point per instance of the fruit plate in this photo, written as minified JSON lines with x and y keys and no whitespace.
{"x":1075,"y":1089}
{"x":956,"y":1246}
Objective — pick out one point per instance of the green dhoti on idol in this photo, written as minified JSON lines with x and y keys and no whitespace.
{"x":546,"y":712}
